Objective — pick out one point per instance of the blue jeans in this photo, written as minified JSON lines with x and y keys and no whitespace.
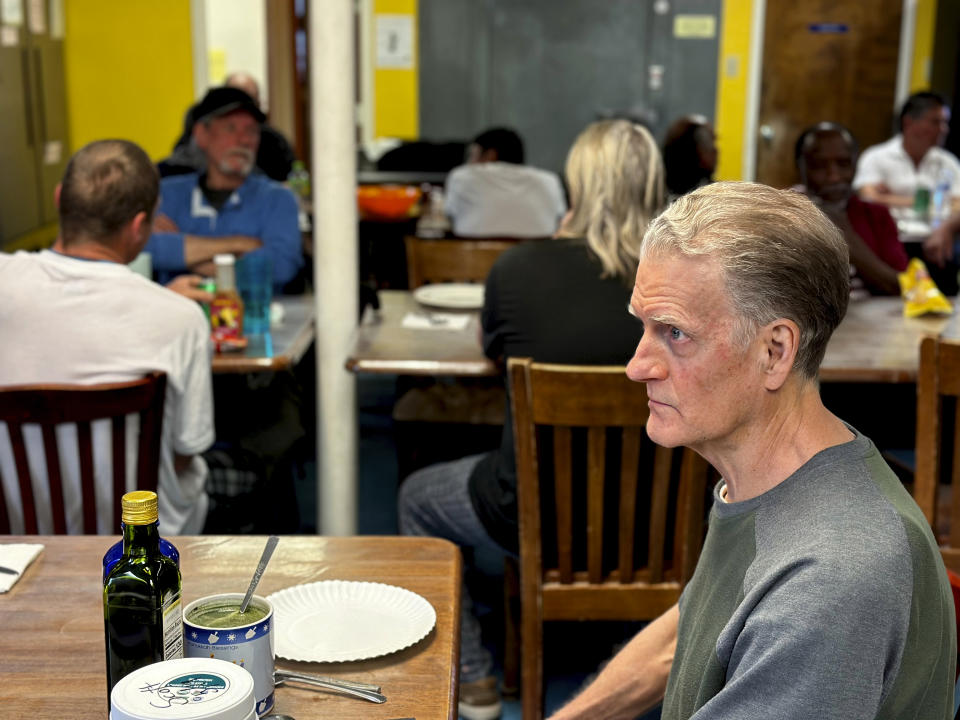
{"x":435,"y":502}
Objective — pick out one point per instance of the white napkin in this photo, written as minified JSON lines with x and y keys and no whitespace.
{"x":16,"y":556}
{"x":435,"y":321}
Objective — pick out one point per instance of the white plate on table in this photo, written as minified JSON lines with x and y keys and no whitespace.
{"x":341,"y":620}
{"x":453,"y":296}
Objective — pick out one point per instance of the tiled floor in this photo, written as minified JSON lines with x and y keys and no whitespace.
{"x":572,"y":650}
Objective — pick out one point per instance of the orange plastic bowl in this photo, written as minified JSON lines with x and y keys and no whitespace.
{"x":391,"y":202}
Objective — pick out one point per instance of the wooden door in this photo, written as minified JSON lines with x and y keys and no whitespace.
{"x":825,"y":60}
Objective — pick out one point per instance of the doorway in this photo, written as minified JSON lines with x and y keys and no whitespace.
{"x":824,"y":60}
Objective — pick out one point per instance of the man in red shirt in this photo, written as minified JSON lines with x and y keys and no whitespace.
{"x":826,"y":156}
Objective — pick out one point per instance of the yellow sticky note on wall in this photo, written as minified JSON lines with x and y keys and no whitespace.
{"x":216,"y":65}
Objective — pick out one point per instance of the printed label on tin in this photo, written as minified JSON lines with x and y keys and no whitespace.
{"x":187,"y":689}
{"x":250,"y":647}
{"x":172,"y":628}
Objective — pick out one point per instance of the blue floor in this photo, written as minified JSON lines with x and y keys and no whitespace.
{"x":572,"y":651}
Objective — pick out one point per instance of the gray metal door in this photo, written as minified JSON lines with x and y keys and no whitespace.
{"x":549,"y":67}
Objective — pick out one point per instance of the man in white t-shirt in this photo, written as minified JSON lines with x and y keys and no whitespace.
{"x":496,"y":195}
{"x":76,"y":314}
{"x":891,"y":172}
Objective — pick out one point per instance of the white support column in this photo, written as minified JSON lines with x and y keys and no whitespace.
{"x":751,"y":112}
{"x":908,"y":28}
{"x":331,"y":60}
{"x":198,"y":46}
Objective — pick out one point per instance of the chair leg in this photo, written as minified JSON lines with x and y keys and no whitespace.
{"x":511,"y":628}
{"x":531,"y":656}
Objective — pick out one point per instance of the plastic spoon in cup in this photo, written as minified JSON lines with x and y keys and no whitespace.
{"x":258,"y":573}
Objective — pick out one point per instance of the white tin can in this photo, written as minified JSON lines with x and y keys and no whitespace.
{"x":247,"y":644}
{"x":185,"y":689}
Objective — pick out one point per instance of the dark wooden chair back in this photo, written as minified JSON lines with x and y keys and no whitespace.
{"x":611,"y":525}
{"x":938,"y":377}
{"x":438,"y":260}
{"x":52,"y":405}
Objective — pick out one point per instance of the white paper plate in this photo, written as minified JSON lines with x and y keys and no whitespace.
{"x":340,"y":620}
{"x":459,"y":296}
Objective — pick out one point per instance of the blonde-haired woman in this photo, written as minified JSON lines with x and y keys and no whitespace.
{"x":616,"y":180}
{"x":560,"y":300}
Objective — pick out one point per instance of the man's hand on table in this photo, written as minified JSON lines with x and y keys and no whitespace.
{"x":938,"y":247}
{"x":190,"y":287}
{"x":162,"y":223}
{"x":882,"y":194}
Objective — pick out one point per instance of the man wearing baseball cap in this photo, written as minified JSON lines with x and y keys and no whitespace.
{"x":225,"y":208}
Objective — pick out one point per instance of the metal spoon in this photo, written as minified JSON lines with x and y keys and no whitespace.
{"x":261,"y":566}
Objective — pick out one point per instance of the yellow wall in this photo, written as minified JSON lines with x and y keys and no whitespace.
{"x":732,"y":75}
{"x":129,"y":71}
{"x":395,"y":91}
{"x":923,"y":45}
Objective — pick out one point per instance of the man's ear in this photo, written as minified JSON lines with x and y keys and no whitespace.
{"x":781,"y":341}
{"x":200,"y":133}
{"x":141,"y":222}
{"x":56,"y":195}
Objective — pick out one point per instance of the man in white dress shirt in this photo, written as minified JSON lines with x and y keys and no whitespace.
{"x":496,"y":195}
{"x":891,"y":172}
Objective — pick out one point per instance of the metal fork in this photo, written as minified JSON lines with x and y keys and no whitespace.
{"x":364,"y":691}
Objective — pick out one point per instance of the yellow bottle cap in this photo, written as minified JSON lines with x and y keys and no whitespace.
{"x":139,"y":507}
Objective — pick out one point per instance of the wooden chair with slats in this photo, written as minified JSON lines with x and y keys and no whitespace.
{"x":437,"y":260}
{"x":51,"y":405}
{"x":938,"y":378}
{"x":611,"y":525}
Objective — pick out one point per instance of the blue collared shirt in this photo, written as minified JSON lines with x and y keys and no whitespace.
{"x":259,"y":208}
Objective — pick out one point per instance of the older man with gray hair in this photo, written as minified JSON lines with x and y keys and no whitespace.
{"x":820,"y":592}
{"x":226,"y":208}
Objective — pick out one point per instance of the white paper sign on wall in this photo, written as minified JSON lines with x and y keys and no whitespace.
{"x":394,"y":41}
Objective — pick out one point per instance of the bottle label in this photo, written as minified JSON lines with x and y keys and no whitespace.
{"x":172,"y":628}
{"x":226,"y":317}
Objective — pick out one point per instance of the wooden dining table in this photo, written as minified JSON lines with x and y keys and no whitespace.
{"x":281,"y":348}
{"x":52,"y":656}
{"x":875,"y":343}
{"x":381,"y":343}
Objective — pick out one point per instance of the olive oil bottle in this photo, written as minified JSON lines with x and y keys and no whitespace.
{"x":142,"y":618}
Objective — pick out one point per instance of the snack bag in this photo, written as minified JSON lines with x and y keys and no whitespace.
{"x":919,"y":293}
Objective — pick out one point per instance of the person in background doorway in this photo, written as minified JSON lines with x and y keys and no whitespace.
{"x":556,"y":300}
{"x":826,"y":157}
{"x":689,"y":154}
{"x":495,"y":195}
